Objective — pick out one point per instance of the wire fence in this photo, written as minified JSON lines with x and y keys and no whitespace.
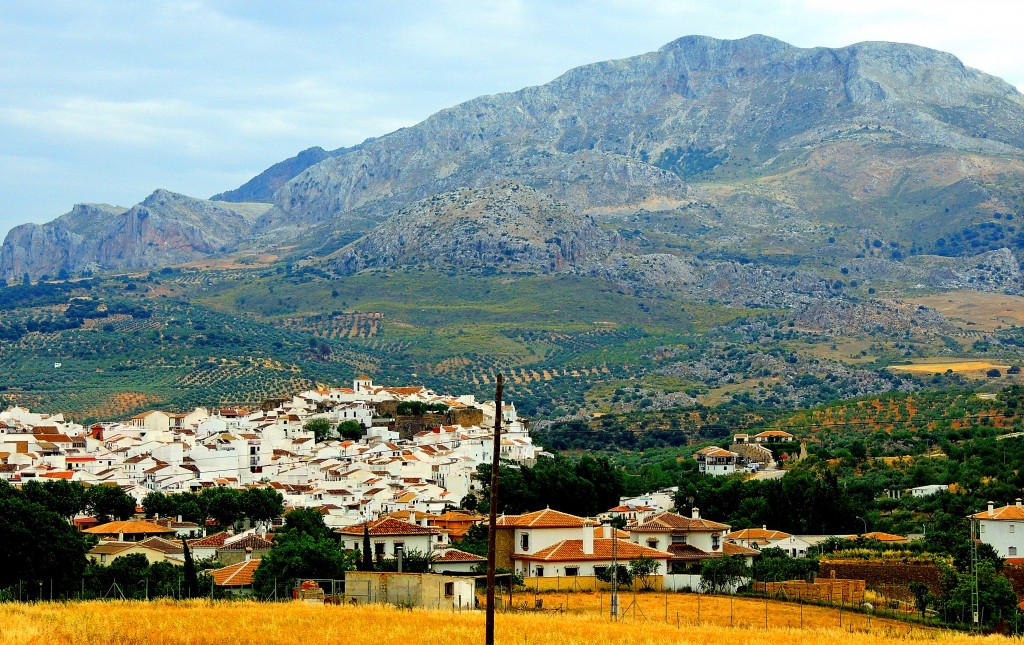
{"x":767,"y":605}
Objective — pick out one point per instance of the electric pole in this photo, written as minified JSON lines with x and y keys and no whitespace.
{"x":492,"y":524}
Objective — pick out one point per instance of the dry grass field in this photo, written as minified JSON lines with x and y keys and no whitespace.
{"x":967,"y":367}
{"x":976,"y":310}
{"x":202,"y":622}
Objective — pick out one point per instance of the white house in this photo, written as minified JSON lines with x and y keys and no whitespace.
{"x":930,"y":489}
{"x":388,"y":534}
{"x":587,"y":555}
{"x":718,"y":461}
{"x":1002,"y":528}
{"x":764,"y":538}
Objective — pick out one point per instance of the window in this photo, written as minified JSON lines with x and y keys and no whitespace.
{"x":539,"y":572}
{"x":1013,"y":550}
{"x":399,"y":546}
{"x":449,"y":589}
{"x":715,"y":542}
{"x":524,"y":541}
{"x":652,"y":542}
{"x":572,"y":571}
{"x":378,"y":549}
{"x":599,"y":570}
{"x":1013,"y":528}
{"x":679,"y":539}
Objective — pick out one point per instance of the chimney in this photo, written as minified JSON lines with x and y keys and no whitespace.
{"x":991,"y":508}
{"x":588,"y":539}
{"x":1018,"y":501}
{"x":764,"y":527}
{"x":179,"y":519}
{"x":248,"y":553}
{"x":412,"y":517}
{"x":606,"y":531}
{"x":120,"y":536}
{"x":695,"y":513}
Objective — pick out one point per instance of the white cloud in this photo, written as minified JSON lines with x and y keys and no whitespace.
{"x":105,"y":101}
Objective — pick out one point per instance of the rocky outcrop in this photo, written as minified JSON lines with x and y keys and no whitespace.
{"x":166,"y":228}
{"x":262,"y":187}
{"x":507,"y":228}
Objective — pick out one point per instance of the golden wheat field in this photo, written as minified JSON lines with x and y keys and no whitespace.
{"x":203,"y":622}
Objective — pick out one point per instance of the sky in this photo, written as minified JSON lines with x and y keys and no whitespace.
{"x":104,"y":101}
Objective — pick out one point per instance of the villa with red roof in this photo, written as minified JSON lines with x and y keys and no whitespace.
{"x":1002,"y":528}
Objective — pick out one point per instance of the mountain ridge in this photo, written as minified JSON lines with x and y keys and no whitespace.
{"x":748,"y":145}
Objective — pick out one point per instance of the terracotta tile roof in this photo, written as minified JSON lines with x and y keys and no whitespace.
{"x":572,"y":550}
{"x":735,"y":549}
{"x":882,"y":537}
{"x":235,"y":575}
{"x":689,"y":553}
{"x":1003,"y":513}
{"x":456,"y":516}
{"x":130,"y":526}
{"x":546,"y":519}
{"x":110,"y":548}
{"x":626,"y":509}
{"x":162,"y":545}
{"x":387,"y":526}
{"x":619,"y":533}
{"x":673,"y":522}
{"x":251,"y":541}
{"x":773,"y":433}
{"x":455,"y":555}
{"x":215,"y":540}
{"x":757,"y":534}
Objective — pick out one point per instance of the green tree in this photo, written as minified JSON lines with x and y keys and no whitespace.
{"x":643,"y":569}
{"x":723,"y":574}
{"x":223,"y":505}
{"x":261,"y":504}
{"x":350,"y":430}
{"x":321,"y":428}
{"x":367,"y":551}
{"x":623,"y":579}
{"x":474,"y":541}
{"x":922,"y":596}
{"x":39,"y":544}
{"x":469,"y":502}
{"x":109,"y":502}
{"x":306,"y":521}
{"x":299,"y":556}
{"x":191,"y":579}
{"x":157,"y":503}
{"x":63,"y":497}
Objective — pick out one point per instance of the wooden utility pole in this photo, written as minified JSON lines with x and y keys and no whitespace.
{"x":492,"y":525}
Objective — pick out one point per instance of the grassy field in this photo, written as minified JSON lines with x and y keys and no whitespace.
{"x":201,"y":622}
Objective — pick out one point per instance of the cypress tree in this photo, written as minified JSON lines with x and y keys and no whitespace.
{"x":191,"y":578}
{"x":367,"y":553}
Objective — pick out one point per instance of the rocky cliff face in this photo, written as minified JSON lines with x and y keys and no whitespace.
{"x":776,"y":132}
{"x":166,"y":228}
{"x":262,"y":187}
{"x":508,"y":227}
{"x":748,"y":147}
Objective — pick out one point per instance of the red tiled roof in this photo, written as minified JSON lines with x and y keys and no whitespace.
{"x":735,"y":549}
{"x":215,"y":540}
{"x":757,"y":534}
{"x":130,"y":526}
{"x":880,"y":536}
{"x":235,"y":575}
{"x":546,"y":519}
{"x":673,"y":522}
{"x":251,"y":541}
{"x":455,"y":555}
{"x":1002,"y":513}
{"x":572,"y":550}
{"x":387,"y":526}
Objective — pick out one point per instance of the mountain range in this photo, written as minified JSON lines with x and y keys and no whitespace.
{"x":660,"y":171}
